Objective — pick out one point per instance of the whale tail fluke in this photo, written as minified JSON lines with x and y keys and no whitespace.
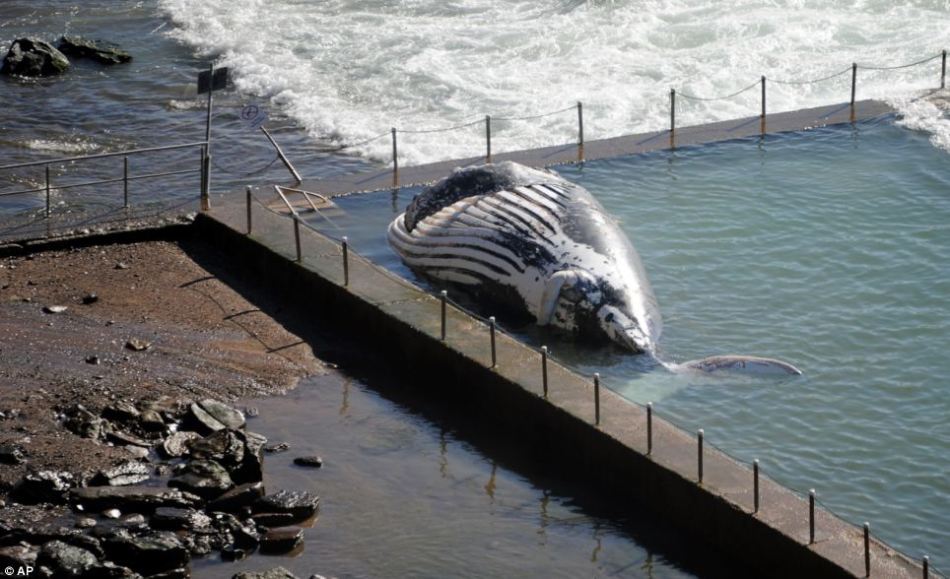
{"x":738,"y":363}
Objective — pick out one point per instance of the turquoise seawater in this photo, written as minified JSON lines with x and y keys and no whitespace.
{"x":828,"y":248}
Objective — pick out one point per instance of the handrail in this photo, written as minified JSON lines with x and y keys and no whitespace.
{"x":103,"y":155}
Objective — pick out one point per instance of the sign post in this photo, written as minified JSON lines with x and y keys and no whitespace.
{"x":208,"y":82}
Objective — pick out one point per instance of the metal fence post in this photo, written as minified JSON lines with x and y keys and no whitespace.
{"x":699,"y":456}
{"x":580,"y":124}
{"x":649,"y":428}
{"x":943,"y":70}
{"x":763,"y":97}
{"x":755,"y":486}
{"x":125,"y":181}
{"x":925,"y":562}
{"x":395,"y":158}
{"x":597,"y":398}
{"x":346,"y":261}
{"x":297,"y":238}
{"x":248,"y":195}
{"x":867,"y":549}
{"x":811,"y":516}
{"x":854,"y":81}
{"x":47,"y":192}
{"x":672,"y":109}
{"x":491,"y":331}
{"x":444,"y":296}
{"x":488,"y":138}
{"x":544,"y":370}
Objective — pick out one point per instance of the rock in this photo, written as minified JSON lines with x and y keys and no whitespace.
{"x":174,"y":519}
{"x":301,"y":504}
{"x":275,"y":573}
{"x":154,"y":552}
{"x":85,"y":523}
{"x":94,"y":360}
{"x":54,"y":309}
{"x":152,"y":421}
{"x":129,"y":472}
{"x":240,"y":534}
{"x":205,"y":478}
{"x":110,"y":570}
{"x":309,"y":461}
{"x":125,"y":439}
{"x":121,"y":265}
{"x":252,"y":469}
{"x":112,"y":513}
{"x":274,"y":520}
{"x":11,"y":454}
{"x":137,"y":345}
{"x":22,"y":555}
{"x":45,"y":486}
{"x":278,"y":447}
{"x":133,"y":498}
{"x":281,"y":540}
{"x":137,"y":452}
{"x":90,"y":299}
{"x":97,"y":50}
{"x":132,"y":520}
{"x":210,"y":416}
{"x":84,"y":423}
{"x":176,"y":445}
{"x":240,"y":496}
{"x":122,"y":411}
{"x":31,"y":57}
{"x":66,"y":560}
{"x":224,"y":447}
{"x":232,"y":553}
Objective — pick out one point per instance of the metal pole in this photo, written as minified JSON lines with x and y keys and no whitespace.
{"x":596,"y":398}
{"x":206,"y":190}
{"x":943,"y":70}
{"x":395,"y":158}
{"x":544,"y":370}
{"x":47,"y":192}
{"x":346,"y":261}
{"x":297,"y":238}
{"x":649,"y":427}
{"x":854,"y":81}
{"x":672,"y":109}
{"x":444,"y":296}
{"x":755,"y":486}
{"x":248,"y":209}
{"x":699,"y":456}
{"x":491,"y":331}
{"x":283,"y":157}
{"x":125,"y":181}
{"x":867,"y":549}
{"x":201,"y":171}
{"x":811,"y":516}
{"x":488,"y":138}
{"x":580,"y":123}
{"x":926,"y":559}
{"x":763,"y":97}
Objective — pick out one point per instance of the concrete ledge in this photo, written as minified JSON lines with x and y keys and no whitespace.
{"x":402,"y":321}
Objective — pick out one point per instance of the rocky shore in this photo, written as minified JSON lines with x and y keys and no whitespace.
{"x":123,"y":454}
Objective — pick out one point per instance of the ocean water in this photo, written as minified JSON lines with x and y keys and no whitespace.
{"x":827,"y":249}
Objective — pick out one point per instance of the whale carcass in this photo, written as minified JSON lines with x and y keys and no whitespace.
{"x":543,"y":246}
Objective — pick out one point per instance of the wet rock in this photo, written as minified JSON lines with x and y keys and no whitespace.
{"x":90,"y":299}
{"x":85,"y":523}
{"x":22,"y":555}
{"x":129,"y":472}
{"x":54,"y":309}
{"x":275,"y":573}
{"x":110,"y":570}
{"x":121,"y":411}
{"x":274,"y":520}
{"x":204,"y":478}
{"x":181,"y":573}
{"x":112,"y":513}
{"x":131,"y":498}
{"x":232,"y":553}
{"x":132,"y":521}
{"x":301,"y":504}
{"x":210,"y":416}
{"x":278,"y":447}
{"x":174,"y":519}
{"x":176,"y":444}
{"x":96,"y":50}
{"x":121,"y":265}
{"x":66,"y":560}
{"x":84,"y":423}
{"x":11,"y":454}
{"x":94,"y":360}
{"x":152,"y":421}
{"x":137,"y":345}
{"x":281,"y":540}
{"x":151,"y":553}
{"x":241,"y":534}
{"x":252,"y":468}
{"x":225,"y":447}
{"x":45,"y":486}
{"x":137,"y":452}
{"x":309,"y":461}
{"x":237,"y":498}
{"x":32,"y":57}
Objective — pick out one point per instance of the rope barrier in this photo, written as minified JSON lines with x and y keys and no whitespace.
{"x":243,"y":174}
{"x":811,"y":81}
{"x":928,"y":59}
{"x":442,"y":130}
{"x":532,"y":117}
{"x":720,"y":98}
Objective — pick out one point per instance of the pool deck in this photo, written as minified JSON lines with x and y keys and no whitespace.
{"x":792,"y":121}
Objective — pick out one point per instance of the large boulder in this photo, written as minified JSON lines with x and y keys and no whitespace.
{"x":66,"y":560}
{"x":31,"y":57}
{"x":97,"y":50}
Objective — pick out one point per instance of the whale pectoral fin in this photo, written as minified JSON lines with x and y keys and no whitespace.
{"x":552,"y":291}
{"x":739,"y":363}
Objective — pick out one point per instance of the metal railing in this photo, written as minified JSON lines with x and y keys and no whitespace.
{"x":125,"y":179}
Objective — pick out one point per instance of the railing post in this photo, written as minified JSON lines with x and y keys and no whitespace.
{"x":649,"y":428}
{"x":867,"y":549}
{"x":297,"y":238}
{"x":597,"y":398}
{"x":811,"y":516}
{"x":943,"y":70}
{"x":491,"y":331}
{"x":125,"y":181}
{"x":854,"y":81}
{"x":580,"y":124}
{"x":926,"y":560}
{"x":755,"y":486}
{"x":248,"y":195}
{"x":444,"y":296}
{"x":672,"y":109}
{"x":47,"y":192}
{"x":488,"y":138}
{"x":544,"y":370}
{"x":395,"y":159}
{"x":699,"y":455}
{"x":346,"y":261}
{"x":763,"y":97}
{"x":206,"y":190}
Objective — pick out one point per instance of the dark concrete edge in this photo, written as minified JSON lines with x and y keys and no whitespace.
{"x":156,"y":232}
{"x":634,"y":479}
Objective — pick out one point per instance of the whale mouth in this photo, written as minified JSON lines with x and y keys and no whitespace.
{"x":623,"y":330}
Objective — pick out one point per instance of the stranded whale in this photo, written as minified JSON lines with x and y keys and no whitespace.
{"x":543,"y":246}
